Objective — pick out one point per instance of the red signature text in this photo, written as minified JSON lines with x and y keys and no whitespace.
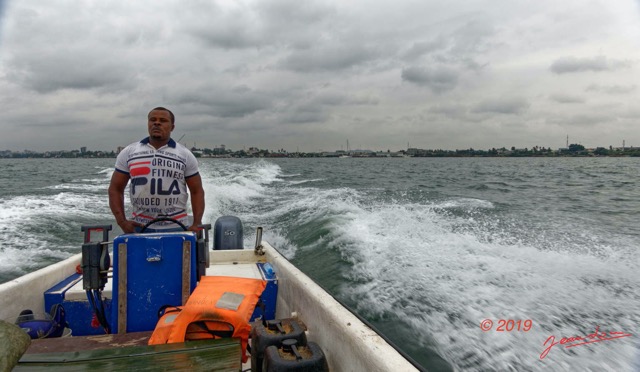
{"x":574,"y":341}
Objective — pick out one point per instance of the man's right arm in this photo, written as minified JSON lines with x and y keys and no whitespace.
{"x":116,"y":201}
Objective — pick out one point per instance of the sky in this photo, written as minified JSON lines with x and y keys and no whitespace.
{"x":311,"y":75}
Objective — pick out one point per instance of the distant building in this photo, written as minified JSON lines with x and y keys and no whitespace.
{"x":330,"y":154}
{"x":220,"y":150}
{"x":363,"y":153}
{"x":83,"y":149}
{"x":412,"y":151}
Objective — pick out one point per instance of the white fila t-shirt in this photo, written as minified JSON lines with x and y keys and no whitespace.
{"x":158,"y":185}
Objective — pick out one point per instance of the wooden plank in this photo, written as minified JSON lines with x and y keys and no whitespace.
{"x":122,"y":288}
{"x":205,"y":355}
{"x":186,"y":271}
{"x":81,"y":343}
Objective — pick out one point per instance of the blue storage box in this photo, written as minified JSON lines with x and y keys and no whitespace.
{"x":149,"y":272}
{"x":73,"y":298}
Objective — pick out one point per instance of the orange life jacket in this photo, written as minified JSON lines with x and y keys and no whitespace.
{"x":220,"y":306}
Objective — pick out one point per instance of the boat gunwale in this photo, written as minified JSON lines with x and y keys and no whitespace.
{"x":362,"y":339}
{"x":37,"y":281}
{"x":377,"y":352}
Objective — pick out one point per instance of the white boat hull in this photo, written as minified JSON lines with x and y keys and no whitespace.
{"x":348,"y":343}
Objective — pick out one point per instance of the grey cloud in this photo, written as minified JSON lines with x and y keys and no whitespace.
{"x":451,"y":110}
{"x":295,"y":25}
{"x":232,"y":103}
{"x":62,"y":122}
{"x":304,"y":66}
{"x":630,"y":113}
{"x":460,"y":46}
{"x":66,"y":71}
{"x":611,"y":89}
{"x":474,"y":37}
{"x":364,"y":99}
{"x":230,"y":28}
{"x":305,"y":114}
{"x":572,"y":64}
{"x":440,"y":79}
{"x":49,"y":50}
{"x":511,"y":105}
{"x":329,"y":58}
{"x":590,"y":119}
{"x":339,"y":99}
{"x":565,"y":98}
{"x":330,"y":99}
{"x":257,"y":26}
{"x":587,"y":119}
{"x":318,"y":108}
{"x":294,"y":12}
{"x":421,"y":48}
{"x":232,"y":37}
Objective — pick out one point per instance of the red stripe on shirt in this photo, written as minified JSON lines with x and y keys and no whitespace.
{"x":139,"y":163}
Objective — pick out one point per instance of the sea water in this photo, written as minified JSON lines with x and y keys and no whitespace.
{"x":427,"y":250}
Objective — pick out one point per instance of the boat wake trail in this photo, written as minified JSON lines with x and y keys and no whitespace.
{"x":438,"y":276}
{"x":459,"y":276}
{"x":40,"y":227}
{"x":430,"y":270}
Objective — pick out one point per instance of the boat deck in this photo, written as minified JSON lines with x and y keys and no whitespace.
{"x":130,"y":352}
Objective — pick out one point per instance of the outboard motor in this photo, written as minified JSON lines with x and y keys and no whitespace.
{"x":227,"y":233}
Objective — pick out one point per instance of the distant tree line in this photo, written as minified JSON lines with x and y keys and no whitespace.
{"x":536,"y":151}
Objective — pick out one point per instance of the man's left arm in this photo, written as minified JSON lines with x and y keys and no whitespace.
{"x":194,"y":183}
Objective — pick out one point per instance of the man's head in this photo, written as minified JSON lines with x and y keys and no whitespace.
{"x":160,"y":123}
{"x":173,"y":118}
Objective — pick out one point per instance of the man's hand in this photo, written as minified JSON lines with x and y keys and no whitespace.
{"x":197,"y":201}
{"x":194,"y":228}
{"x":128,"y":226}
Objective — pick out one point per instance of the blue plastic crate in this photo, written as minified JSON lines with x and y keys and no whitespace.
{"x":154,"y":276}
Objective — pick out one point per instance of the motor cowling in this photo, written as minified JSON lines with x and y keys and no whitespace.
{"x":227,"y":233}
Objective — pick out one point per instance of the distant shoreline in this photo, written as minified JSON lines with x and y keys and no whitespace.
{"x":353,"y":157}
{"x":573,"y":150}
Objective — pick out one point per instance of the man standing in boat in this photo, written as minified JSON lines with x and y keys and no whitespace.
{"x":161,"y":170}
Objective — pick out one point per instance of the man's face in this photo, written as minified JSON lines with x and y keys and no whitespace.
{"x":160,"y":125}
